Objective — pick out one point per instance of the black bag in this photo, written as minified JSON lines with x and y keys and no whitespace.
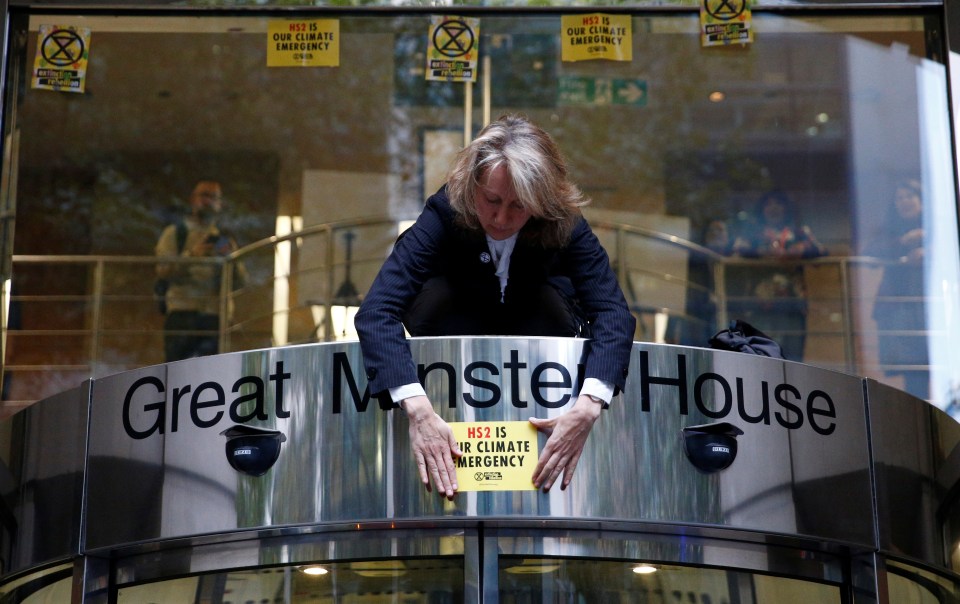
{"x":160,"y":286}
{"x":743,"y":337}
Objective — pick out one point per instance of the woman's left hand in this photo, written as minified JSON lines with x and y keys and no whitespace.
{"x":567,"y":435}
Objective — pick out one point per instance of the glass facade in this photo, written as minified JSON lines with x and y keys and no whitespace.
{"x":804,"y":182}
{"x":828,"y":117}
{"x":392,"y":580}
{"x":514,"y":565}
{"x":526,"y":580}
{"x":51,"y":585}
{"x":912,"y":585}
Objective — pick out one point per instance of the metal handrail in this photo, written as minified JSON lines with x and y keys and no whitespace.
{"x":103,"y":267}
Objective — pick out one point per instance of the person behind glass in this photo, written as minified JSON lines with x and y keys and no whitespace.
{"x":193,"y":295}
{"x":779,"y":292}
{"x":501,"y":249}
{"x":899,"y":305}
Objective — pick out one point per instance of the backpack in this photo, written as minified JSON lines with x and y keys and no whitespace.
{"x":160,"y":286}
{"x":743,"y":337}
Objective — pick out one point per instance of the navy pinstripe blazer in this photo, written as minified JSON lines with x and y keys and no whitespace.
{"x":437,"y":245}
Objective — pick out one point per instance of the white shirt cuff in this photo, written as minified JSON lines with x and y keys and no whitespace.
{"x":400,"y":393}
{"x":592,"y":386}
{"x":598,"y":388}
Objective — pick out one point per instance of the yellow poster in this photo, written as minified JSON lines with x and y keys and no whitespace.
{"x":61,"y":61}
{"x":497,"y":456}
{"x":453,"y":48}
{"x":724,"y":22}
{"x":596,"y":36}
{"x":304,"y":43}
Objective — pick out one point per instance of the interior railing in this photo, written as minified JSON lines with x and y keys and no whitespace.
{"x":76,"y":317}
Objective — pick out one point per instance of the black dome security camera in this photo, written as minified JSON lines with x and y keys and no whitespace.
{"x":711,"y":447}
{"x":252,"y":450}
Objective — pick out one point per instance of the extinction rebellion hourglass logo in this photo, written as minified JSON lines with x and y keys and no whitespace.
{"x":61,"y":61}
{"x":453,"y":49}
{"x":725,"y":22}
{"x":63,"y":47}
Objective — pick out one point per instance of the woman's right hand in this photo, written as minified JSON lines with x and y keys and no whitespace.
{"x":434,"y":446}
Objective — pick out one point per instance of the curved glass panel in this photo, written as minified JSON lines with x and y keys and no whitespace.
{"x":392,"y":581}
{"x":600,"y":569}
{"x":838,"y":121}
{"x":520,"y":579}
{"x":909,"y":584}
{"x":531,"y":580}
{"x":49,"y":586}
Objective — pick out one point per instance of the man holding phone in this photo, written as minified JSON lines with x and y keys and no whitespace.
{"x":191,"y":290}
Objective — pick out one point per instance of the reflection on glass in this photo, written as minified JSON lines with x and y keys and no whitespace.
{"x":393,"y":581}
{"x":542,"y":580}
{"x":911,"y":585}
{"x":49,"y":586}
{"x":358,"y":146}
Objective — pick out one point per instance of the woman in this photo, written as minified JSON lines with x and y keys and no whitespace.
{"x":776,"y":294}
{"x":501,"y":249}
{"x":899,"y":306}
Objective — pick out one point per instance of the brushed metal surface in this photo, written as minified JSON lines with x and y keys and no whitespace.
{"x":43,"y":469}
{"x":803,"y":455}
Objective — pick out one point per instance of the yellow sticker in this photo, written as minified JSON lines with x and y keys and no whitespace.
{"x":724,"y":22}
{"x":497,"y":456}
{"x":453,"y":48}
{"x":61,"y":61}
{"x":596,"y":36}
{"x":306,"y":43}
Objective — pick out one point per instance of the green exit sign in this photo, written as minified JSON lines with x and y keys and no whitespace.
{"x":594,"y":92}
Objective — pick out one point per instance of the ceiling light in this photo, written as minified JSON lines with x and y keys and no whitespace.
{"x":717,"y":96}
{"x":316,"y":571}
{"x":644,"y":569}
{"x":823,"y":118}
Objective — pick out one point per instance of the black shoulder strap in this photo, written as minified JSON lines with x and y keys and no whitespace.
{"x":181,"y":235}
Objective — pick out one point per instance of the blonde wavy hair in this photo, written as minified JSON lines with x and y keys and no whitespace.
{"x":538,"y":173}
